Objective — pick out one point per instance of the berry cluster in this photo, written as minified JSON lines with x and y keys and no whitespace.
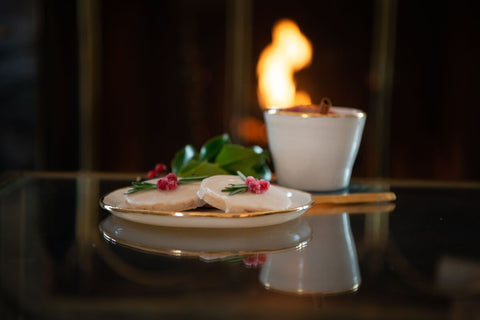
{"x":257,"y":186}
{"x":160,"y":168}
{"x":169,"y":182}
{"x":255,"y":260}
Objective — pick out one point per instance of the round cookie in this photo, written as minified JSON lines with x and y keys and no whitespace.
{"x":211,"y":192}
{"x":183,"y":198}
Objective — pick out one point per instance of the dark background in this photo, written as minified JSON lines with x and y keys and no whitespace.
{"x":163,"y":81}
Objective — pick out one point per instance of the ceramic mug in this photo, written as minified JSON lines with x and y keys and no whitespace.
{"x":313,"y":151}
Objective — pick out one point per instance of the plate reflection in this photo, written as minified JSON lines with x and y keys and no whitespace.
{"x":207,"y":244}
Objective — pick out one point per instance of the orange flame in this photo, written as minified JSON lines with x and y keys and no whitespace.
{"x":289,"y":51}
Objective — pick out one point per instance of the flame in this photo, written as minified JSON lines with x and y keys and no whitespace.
{"x":289,"y":51}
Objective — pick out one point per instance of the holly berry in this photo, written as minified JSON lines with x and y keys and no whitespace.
{"x":169,"y":182}
{"x":257,"y":186}
{"x":151,"y":174}
{"x":171,"y":177}
{"x":160,"y":168}
{"x":262,"y":258}
{"x":171,"y":185}
{"x":264,"y":185}
{"x":255,"y":260}
{"x":162,"y":184}
{"x":249,"y":180}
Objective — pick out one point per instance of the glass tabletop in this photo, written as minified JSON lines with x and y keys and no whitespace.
{"x":64,"y":257}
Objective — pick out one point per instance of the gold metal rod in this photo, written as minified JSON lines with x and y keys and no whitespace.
{"x":89,"y":75}
{"x":355,"y":198}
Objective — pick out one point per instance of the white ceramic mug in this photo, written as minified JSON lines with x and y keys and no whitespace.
{"x":313,"y":151}
{"x":327,"y":265}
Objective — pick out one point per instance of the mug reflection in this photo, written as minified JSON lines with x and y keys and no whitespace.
{"x":327,"y":264}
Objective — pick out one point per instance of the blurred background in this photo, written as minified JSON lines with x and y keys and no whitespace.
{"x":121,"y":85}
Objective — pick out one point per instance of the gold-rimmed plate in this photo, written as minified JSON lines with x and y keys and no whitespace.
{"x":114,"y":202}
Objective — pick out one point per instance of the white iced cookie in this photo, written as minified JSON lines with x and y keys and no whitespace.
{"x":211,"y":192}
{"x":183,"y":198}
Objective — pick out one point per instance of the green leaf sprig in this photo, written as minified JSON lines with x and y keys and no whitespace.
{"x":219,"y":156}
{"x":138,"y":186}
{"x":236,"y":188}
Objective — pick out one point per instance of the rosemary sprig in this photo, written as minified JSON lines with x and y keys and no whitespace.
{"x":138,"y":186}
{"x":236,"y":188}
{"x":191,"y":179}
{"x":241,"y":175}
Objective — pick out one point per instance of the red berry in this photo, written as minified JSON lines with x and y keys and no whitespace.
{"x":167,"y":183}
{"x":162,"y":184}
{"x":249,"y":180}
{"x":254,"y":187}
{"x":257,"y":186}
{"x":254,"y":260}
{"x":251,"y":261}
{"x":171,"y":185}
{"x":264,"y":185}
{"x":151,"y":174}
{"x":262,"y":258}
{"x":160,"y":168}
{"x":171,"y":177}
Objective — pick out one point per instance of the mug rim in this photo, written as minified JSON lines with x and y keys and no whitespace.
{"x":354,"y":113}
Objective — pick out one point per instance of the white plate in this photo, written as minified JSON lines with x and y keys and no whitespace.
{"x":207,"y":244}
{"x":207,"y":217}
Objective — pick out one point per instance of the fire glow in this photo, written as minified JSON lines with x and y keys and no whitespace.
{"x":289,"y":52}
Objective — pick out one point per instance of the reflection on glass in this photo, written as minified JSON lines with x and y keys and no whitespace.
{"x":207,"y":244}
{"x":327,"y":264}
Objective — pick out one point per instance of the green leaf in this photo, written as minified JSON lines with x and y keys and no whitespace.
{"x":263,"y":171}
{"x":249,"y":171}
{"x":233,"y":154}
{"x":183,"y":157}
{"x":219,"y":156}
{"x":261,"y":168}
{"x":235,"y":158}
{"x":201,"y":168}
{"x":189,"y":166}
{"x":212,"y":147}
{"x":260,"y":150}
